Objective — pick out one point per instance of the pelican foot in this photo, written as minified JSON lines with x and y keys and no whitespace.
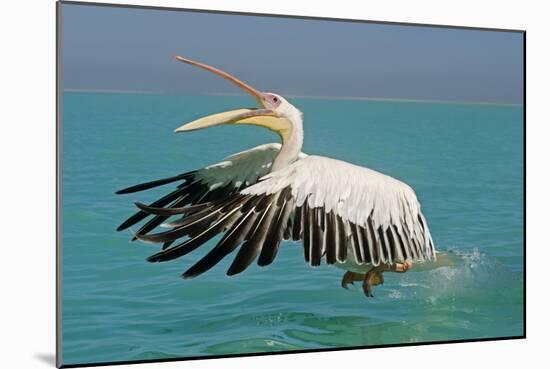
{"x":401,"y":267}
{"x":350,"y":277}
{"x":374,"y":276}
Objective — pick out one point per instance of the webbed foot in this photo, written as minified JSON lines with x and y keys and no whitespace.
{"x":350,"y":277}
{"x":374,"y":276}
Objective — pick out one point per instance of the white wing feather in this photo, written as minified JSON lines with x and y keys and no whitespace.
{"x":354,"y":193}
{"x":244,"y":167}
{"x":369,"y":218}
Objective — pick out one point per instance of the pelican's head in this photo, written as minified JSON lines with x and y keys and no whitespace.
{"x":274,"y":112}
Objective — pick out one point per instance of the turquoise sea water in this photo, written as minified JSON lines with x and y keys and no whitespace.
{"x":464,"y":161}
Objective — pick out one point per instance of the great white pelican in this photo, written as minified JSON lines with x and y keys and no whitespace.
{"x":349,"y":216}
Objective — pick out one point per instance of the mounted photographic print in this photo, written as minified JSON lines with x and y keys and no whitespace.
{"x":239,"y":184}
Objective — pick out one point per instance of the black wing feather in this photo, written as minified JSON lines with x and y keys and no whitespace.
{"x":193,"y":243}
{"x":271,"y":246}
{"x":316,"y":237}
{"x":156,"y":183}
{"x":257,"y":224}
{"x":229,"y":242}
{"x":140,"y":215}
{"x":250,"y":249}
{"x":331,"y":239}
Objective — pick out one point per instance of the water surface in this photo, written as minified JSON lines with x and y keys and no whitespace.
{"x":465,"y":163}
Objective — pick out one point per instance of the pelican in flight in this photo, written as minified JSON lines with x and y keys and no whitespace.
{"x":349,"y":216}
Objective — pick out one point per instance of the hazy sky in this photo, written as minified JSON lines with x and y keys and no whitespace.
{"x":108,"y":48}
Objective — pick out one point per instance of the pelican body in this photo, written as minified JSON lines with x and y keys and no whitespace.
{"x":349,"y":216}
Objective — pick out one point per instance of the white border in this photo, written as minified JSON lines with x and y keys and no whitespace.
{"x":28,"y":180}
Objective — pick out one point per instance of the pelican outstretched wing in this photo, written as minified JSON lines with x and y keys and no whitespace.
{"x":336,"y":209}
{"x":210,"y":184}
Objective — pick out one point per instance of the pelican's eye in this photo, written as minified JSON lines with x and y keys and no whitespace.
{"x":273,"y":99}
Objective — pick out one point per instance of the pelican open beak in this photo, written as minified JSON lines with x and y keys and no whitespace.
{"x":263,"y":116}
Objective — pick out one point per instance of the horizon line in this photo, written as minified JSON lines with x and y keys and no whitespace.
{"x":298,"y":96}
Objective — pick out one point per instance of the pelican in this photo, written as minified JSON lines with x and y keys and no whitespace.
{"x":352,"y":217}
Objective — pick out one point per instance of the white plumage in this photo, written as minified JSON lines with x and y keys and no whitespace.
{"x":244,"y":167}
{"x":342,"y":213}
{"x":354,"y":193}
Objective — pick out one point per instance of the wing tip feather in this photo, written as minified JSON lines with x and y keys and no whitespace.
{"x":153,"y":258}
{"x":186,"y":276}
